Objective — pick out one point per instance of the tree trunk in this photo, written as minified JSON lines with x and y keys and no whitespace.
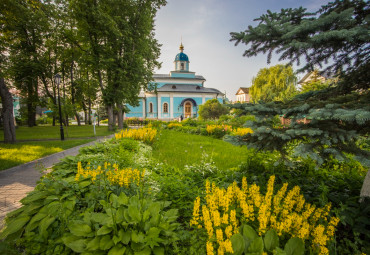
{"x":78,"y":119}
{"x":31,"y":114}
{"x":111,"y":122}
{"x":90,"y":111}
{"x":7,"y":112}
{"x":120,"y":116}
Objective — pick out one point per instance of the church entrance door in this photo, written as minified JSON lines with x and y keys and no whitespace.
{"x":187,"y":110}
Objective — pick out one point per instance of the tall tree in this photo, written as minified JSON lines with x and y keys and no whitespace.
{"x":273,"y":84}
{"x":336,"y":35}
{"x":7,"y":113}
{"x":26,"y":24}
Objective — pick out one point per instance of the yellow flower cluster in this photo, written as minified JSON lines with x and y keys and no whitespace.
{"x":174,"y":124}
{"x":211,"y":129}
{"x":142,"y":134}
{"x":122,"y":177}
{"x":285,"y":212}
{"x":242,"y":131}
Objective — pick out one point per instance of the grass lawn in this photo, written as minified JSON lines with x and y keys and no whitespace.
{"x":48,"y":132}
{"x":179,"y":149}
{"x":23,"y":152}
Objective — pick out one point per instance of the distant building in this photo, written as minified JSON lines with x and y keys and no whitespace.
{"x":242,"y":95}
{"x":179,"y":93}
{"x":313,"y":76}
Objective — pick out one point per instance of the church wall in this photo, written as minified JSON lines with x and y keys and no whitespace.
{"x":152,"y":100}
{"x":165,"y":115}
{"x":135,"y":111}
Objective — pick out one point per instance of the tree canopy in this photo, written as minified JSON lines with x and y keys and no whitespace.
{"x":212,"y":109}
{"x":274,"y":83}
{"x":335,"y":38}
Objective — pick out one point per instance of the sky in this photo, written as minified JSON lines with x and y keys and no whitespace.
{"x":205,"y":26}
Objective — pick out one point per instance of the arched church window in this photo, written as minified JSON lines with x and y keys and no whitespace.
{"x":182,"y":66}
{"x":165,"y":108}
{"x":150,"y":107}
{"x":174,"y":86}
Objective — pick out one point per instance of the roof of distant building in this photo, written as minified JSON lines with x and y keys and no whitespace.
{"x":167,"y":76}
{"x":173,"y":87}
{"x":243,"y":89}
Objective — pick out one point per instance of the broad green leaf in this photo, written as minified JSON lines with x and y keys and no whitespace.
{"x":34,"y":196}
{"x":279,"y":251}
{"x":117,"y":250}
{"x":34,"y":222}
{"x":154,"y":208}
{"x":120,"y":215}
{"x":238,"y":244}
{"x":14,"y":225}
{"x":294,"y":246}
{"x":146,"y":215}
{"x":145,"y":251}
{"x":122,"y":199}
{"x":116,"y":239}
{"x":158,"y":251}
{"x":152,"y":237}
{"x":256,"y":246}
{"x":125,"y":236}
{"x":134,"y":213}
{"x":249,"y":232}
{"x":69,"y":204}
{"x":54,"y":207}
{"x":271,"y":240}
{"x":137,"y":237}
{"x":171,"y":214}
{"x":78,"y":245}
{"x":44,"y":224}
{"x":84,"y":184}
{"x":80,"y":229}
{"x":101,"y":218}
{"x":106,"y":242}
{"x":104,"y":230}
{"x":94,"y":244}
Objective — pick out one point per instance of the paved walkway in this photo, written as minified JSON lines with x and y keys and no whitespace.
{"x":17,"y":181}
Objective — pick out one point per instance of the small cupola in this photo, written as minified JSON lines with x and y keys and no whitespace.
{"x":181,"y":61}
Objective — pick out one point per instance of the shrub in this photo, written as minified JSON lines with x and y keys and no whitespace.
{"x":146,"y":135}
{"x":173,"y":125}
{"x":287,"y":213}
{"x":212,"y":109}
{"x":218,"y":131}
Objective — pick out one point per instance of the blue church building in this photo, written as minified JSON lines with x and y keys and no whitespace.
{"x":179,"y":93}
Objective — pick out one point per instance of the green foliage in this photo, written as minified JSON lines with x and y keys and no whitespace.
{"x":276,"y":83}
{"x":212,"y":109}
{"x":247,"y":241}
{"x":339,"y":115}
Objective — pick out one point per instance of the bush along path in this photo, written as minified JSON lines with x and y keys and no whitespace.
{"x":114,"y":198}
{"x":17,"y":181}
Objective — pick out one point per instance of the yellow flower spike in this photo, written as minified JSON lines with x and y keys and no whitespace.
{"x":244,"y":184}
{"x":228,"y":246}
{"x":209,"y":248}
{"x":229,"y":231}
{"x":219,"y":236}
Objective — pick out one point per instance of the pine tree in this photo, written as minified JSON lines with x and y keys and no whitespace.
{"x":338,"y":116}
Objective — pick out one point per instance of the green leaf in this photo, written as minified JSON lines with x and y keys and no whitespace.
{"x":279,"y":251}
{"x":134,"y":213}
{"x":294,"y":246}
{"x":120,"y":216}
{"x":122,"y":199}
{"x":154,"y":208}
{"x":238,"y":244}
{"x":152,"y":237}
{"x":256,"y":246}
{"x":94,"y":244}
{"x":104,"y":230}
{"x":137,"y":237}
{"x":34,"y":222}
{"x":125,"y":236}
{"x":171,"y":215}
{"x":249,"y":232}
{"x":271,"y":240}
{"x":158,"y":251}
{"x":34,"y":196}
{"x":116,"y":239}
{"x":14,"y":226}
{"x":117,"y":250}
{"x":80,"y":229}
{"x":84,"y":184}
{"x":78,"y":245}
{"x":145,"y":251}
{"x":106,"y":242}
{"x":44,"y":224}
{"x":101,"y":218}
